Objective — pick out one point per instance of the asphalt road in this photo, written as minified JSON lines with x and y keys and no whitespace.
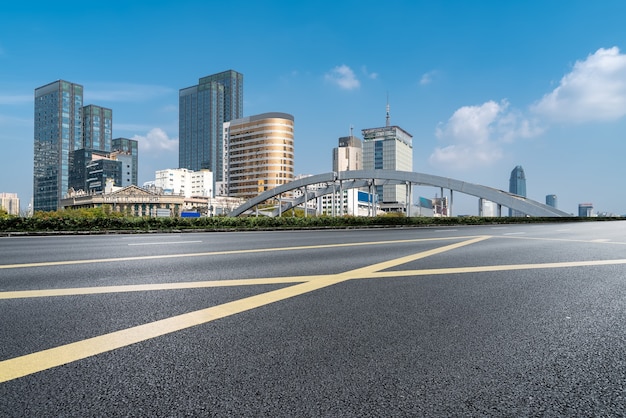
{"x":515,"y":320}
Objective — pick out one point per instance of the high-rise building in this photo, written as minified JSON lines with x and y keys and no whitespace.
{"x":97,"y":128}
{"x":203,"y":109}
{"x":127,"y":152}
{"x":517,"y":185}
{"x":388,"y":148}
{"x":551,"y":200}
{"x":348,"y":155}
{"x":260,"y":153}
{"x":57,"y":134}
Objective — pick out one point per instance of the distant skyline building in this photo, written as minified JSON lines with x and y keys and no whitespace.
{"x":349,"y":154}
{"x":58,"y":132}
{"x":517,"y":185}
{"x":260,"y":153}
{"x":551,"y":200}
{"x":585,"y":210}
{"x":203,"y":109}
{"x":388,"y":148}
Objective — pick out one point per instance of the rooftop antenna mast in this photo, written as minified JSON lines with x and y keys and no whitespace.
{"x":387,"y":117}
{"x":351,"y":128}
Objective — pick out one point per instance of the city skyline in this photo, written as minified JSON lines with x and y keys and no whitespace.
{"x":481,"y":87}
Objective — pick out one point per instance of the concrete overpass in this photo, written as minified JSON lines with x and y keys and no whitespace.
{"x":336,"y":182}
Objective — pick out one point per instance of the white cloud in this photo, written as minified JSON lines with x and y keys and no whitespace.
{"x":595,"y":90}
{"x":474,"y":135}
{"x":344,"y":77}
{"x":372,"y":76}
{"x":427,"y":78}
{"x":124,"y":92}
{"x":156,"y":140}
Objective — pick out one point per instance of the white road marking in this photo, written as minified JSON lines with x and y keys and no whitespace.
{"x":165,"y":243}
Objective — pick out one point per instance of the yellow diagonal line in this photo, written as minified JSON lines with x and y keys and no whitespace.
{"x":484,"y":269}
{"x":32,"y":363}
{"x":18,"y":294}
{"x":365,"y":271}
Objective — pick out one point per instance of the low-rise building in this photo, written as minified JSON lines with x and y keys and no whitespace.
{"x":10,"y":202}
{"x":136,"y":201}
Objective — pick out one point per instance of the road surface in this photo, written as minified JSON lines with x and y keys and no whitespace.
{"x":511,"y":320}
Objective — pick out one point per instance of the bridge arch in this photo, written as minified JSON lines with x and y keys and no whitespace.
{"x":364,"y":178}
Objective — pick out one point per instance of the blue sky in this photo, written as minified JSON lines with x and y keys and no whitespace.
{"x":482,"y":86}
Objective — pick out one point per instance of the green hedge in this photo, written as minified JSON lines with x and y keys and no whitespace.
{"x":96,"y":221}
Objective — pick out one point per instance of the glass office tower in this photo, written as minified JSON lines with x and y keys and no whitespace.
{"x":517,"y":185}
{"x":57,"y":133}
{"x":203,"y":109}
{"x":97,"y":128}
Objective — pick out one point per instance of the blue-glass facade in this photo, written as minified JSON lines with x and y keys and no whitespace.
{"x":97,"y":128}
{"x":57,"y":133}
{"x":551,"y":200}
{"x":203,"y":109}
{"x":517,"y":185}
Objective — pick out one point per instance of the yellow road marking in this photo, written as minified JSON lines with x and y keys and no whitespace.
{"x":32,"y":363}
{"x":18,"y":294}
{"x":484,"y":269}
{"x":213,"y":253}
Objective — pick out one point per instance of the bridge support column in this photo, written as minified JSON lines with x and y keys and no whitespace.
{"x":408,"y":199}
{"x":306,"y":199}
{"x":480,"y":206}
{"x":280,"y":205}
{"x":371,"y":206}
{"x":341,"y":198}
{"x":451,"y":203}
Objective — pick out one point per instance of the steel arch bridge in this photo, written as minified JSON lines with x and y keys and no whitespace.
{"x":333,"y":182}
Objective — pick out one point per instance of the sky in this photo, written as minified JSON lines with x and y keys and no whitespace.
{"x":483,"y":86}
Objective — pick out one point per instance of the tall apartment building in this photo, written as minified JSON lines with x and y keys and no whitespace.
{"x":10,"y":203}
{"x":58,"y":133}
{"x":260,"y":153}
{"x":388,"y":148}
{"x":517,"y":185}
{"x":203,"y":109}
{"x":184,"y":182}
{"x":348,"y":155}
{"x":127,"y":151}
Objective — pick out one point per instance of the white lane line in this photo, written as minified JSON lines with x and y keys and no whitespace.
{"x":165,"y":243}
{"x":600,"y":240}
